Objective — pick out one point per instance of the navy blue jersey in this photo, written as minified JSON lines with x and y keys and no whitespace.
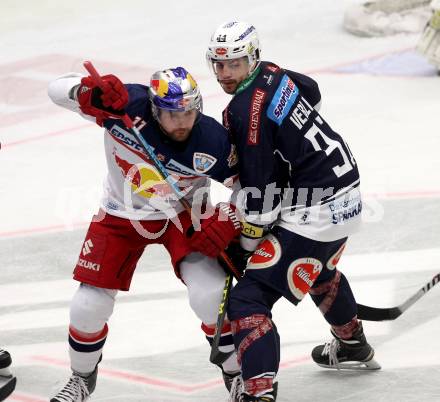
{"x":283,"y":143}
{"x":207,"y":151}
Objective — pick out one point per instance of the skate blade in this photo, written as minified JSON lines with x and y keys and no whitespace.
{"x":7,"y":386}
{"x":354,"y":365}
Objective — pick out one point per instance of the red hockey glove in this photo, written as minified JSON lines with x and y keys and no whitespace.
{"x":102,"y":103}
{"x":217,"y":231}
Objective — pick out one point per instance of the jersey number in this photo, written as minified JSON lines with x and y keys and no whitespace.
{"x":349,"y":161}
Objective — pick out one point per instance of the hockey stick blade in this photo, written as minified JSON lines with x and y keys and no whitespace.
{"x":368,"y":313}
{"x":218,"y":357}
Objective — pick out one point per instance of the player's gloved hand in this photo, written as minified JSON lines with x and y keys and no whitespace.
{"x":102,"y":103}
{"x":238,"y":255}
{"x":217,"y":231}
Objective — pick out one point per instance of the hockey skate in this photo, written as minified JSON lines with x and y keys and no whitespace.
{"x":7,"y":380}
{"x":78,"y":388}
{"x":267,"y":397}
{"x":346,"y":354}
{"x":234,"y":384}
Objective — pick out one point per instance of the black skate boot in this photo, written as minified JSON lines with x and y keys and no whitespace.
{"x":78,"y":388}
{"x":7,"y":380}
{"x":352,"y":354}
{"x":5,"y":359}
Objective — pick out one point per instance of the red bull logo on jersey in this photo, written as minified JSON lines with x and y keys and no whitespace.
{"x":283,"y":99}
{"x":267,"y":254}
{"x":144,"y":179}
{"x":302,"y":274}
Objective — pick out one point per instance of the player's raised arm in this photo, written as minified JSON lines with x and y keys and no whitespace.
{"x":83,"y":95}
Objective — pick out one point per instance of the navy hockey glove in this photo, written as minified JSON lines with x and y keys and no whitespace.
{"x":102,"y":103}
{"x":238,"y":255}
{"x":217,"y":231}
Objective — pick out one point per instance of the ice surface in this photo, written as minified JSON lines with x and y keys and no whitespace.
{"x":377,"y":93}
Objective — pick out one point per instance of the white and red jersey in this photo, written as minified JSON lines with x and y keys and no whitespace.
{"x":133,"y":187}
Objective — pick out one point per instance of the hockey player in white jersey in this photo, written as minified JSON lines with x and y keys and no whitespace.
{"x":7,"y":380}
{"x":138,"y":209}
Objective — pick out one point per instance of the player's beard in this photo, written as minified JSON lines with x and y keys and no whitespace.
{"x":179,"y":134}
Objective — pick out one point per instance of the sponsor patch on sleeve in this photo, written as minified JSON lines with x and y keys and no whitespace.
{"x":283,"y":99}
{"x":255,"y":116}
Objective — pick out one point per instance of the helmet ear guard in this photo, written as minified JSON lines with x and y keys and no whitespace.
{"x":174,"y":90}
{"x":234,"y":40}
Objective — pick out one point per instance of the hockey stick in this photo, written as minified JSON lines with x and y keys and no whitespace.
{"x":385,"y":314}
{"x":216,"y":356}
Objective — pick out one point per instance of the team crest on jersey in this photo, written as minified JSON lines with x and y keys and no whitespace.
{"x":334,"y":259}
{"x":283,"y":99}
{"x":266,"y":255}
{"x":301,"y":275}
{"x":203,"y":162}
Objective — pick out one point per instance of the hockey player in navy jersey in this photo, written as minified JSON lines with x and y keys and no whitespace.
{"x":302,"y":202}
{"x":138,"y":209}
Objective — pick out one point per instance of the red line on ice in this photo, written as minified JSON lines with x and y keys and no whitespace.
{"x":43,"y":229}
{"x":44,"y":136}
{"x":158,"y":382}
{"x":139,"y":378}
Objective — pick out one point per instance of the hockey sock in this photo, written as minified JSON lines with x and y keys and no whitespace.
{"x":226,"y":345}
{"x":85,"y":352}
{"x":257,"y":343}
{"x":335,"y":300}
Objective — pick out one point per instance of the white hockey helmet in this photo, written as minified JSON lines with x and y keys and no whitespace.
{"x":233,"y":40}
